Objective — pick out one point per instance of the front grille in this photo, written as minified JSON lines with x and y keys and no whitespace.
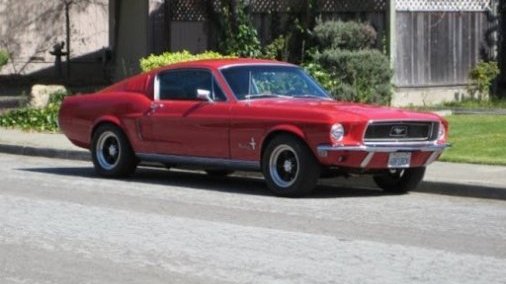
{"x":393,"y":131}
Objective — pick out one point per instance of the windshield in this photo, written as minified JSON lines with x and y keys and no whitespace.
{"x":250,"y":82}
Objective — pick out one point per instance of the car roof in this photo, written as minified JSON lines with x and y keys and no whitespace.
{"x":221,"y":63}
{"x":138,"y":83}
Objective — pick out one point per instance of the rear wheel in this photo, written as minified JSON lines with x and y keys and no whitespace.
{"x":400,"y":180}
{"x":289,"y":167}
{"x":111,"y":152}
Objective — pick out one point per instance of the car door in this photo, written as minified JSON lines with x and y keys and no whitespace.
{"x":179,"y":123}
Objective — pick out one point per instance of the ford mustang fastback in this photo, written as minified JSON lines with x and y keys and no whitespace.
{"x":253,"y":115}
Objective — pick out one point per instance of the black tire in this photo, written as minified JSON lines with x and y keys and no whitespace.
{"x":400,"y":180}
{"x":289,"y":167}
{"x":111,"y":152}
{"x":219,"y":172}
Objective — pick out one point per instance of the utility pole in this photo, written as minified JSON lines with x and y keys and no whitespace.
{"x":67,"y":4}
{"x":391,"y":31}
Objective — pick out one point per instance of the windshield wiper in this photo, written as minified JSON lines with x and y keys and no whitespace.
{"x":311,"y":96}
{"x":255,"y":96}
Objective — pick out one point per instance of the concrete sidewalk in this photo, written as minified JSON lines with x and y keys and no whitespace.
{"x":444,"y":178}
{"x":49,"y":145}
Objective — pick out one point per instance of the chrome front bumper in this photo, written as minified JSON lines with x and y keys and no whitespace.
{"x":387,"y":148}
{"x":371,"y":149}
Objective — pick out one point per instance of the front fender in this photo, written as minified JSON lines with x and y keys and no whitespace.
{"x":288,"y":128}
{"x":282,"y":128}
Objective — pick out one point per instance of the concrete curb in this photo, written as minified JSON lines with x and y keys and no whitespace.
{"x":464,"y":190}
{"x":45,"y":152}
{"x":427,"y":186}
{"x":11,"y":102}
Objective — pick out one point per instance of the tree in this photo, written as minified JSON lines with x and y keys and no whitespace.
{"x":68,"y":4}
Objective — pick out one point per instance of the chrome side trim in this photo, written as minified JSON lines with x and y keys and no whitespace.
{"x":138,"y":129}
{"x":367,"y":160}
{"x":201,"y":161}
{"x":432,"y":157}
{"x":156,"y":88}
{"x":242,"y":64}
{"x":387,"y":148}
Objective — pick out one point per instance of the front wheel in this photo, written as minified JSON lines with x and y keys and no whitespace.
{"x":289,"y":167}
{"x":111,"y":152}
{"x":400,"y":180}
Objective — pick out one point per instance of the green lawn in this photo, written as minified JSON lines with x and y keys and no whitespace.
{"x":479,"y":139}
{"x":477,"y":104}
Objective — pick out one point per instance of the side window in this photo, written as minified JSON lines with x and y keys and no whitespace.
{"x":183,"y":85}
{"x":218,"y":94}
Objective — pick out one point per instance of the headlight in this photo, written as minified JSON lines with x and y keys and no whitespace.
{"x":337,"y":132}
{"x":442,"y":132}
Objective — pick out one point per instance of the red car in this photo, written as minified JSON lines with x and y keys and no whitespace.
{"x":244,"y":114}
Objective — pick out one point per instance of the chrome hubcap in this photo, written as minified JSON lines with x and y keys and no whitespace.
{"x":287,"y":166}
{"x":108,"y":150}
{"x":284,"y":166}
{"x":113,"y":150}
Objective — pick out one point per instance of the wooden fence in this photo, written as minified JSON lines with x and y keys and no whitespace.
{"x":437,"y":42}
{"x":437,"y":46}
{"x":190,"y":26}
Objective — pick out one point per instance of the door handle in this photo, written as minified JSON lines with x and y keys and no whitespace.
{"x":155,"y":106}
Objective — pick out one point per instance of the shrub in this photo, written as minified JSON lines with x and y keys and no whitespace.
{"x":154,"y":61}
{"x":481,"y":77}
{"x":344,"y":35}
{"x":321,"y":75}
{"x":277,"y":49}
{"x":4,"y":58}
{"x":27,"y":118}
{"x":362,"y":76}
{"x":346,"y":63}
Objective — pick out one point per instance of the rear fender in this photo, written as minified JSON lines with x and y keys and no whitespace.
{"x":110,"y":119}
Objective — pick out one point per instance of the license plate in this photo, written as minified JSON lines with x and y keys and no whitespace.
{"x":399,"y":160}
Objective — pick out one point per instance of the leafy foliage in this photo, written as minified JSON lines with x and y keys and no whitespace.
{"x":346,"y":63}
{"x":362,"y":75}
{"x":321,"y":75}
{"x":4,"y":58}
{"x":155,"y":61}
{"x":277,"y":49}
{"x":27,"y":118}
{"x":237,"y":35}
{"x":481,"y":77}
{"x":344,"y":35}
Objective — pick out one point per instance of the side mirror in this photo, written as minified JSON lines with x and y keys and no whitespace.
{"x":204,"y":95}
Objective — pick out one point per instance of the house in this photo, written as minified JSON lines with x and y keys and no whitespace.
{"x":31,"y":30}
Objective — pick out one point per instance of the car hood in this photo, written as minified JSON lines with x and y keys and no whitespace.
{"x":343,"y":110}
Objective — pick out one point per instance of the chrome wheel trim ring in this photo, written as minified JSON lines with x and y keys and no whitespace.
{"x":108,"y":151}
{"x":281,"y":152}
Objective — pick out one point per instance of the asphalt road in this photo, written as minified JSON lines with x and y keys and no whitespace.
{"x":60,"y":223}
